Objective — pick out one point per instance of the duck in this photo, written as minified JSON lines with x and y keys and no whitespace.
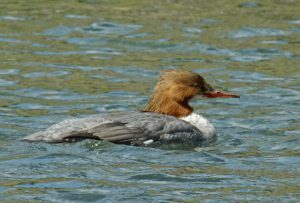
{"x":167,"y":117}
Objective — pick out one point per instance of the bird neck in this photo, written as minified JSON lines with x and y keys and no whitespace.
{"x":169,"y":106}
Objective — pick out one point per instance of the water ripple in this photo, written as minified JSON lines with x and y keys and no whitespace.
{"x":109,"y":28}
{"x":256,"y":32}
{"x":12,"y":18}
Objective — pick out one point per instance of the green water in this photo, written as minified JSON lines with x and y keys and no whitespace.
{"x":63,"y":59}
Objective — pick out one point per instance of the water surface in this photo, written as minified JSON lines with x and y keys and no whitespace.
{"x":69,"y":59}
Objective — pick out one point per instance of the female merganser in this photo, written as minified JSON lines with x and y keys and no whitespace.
{"x":168,"y":118}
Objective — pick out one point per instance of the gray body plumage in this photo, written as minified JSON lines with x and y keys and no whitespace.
{"x":132,"y":128}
